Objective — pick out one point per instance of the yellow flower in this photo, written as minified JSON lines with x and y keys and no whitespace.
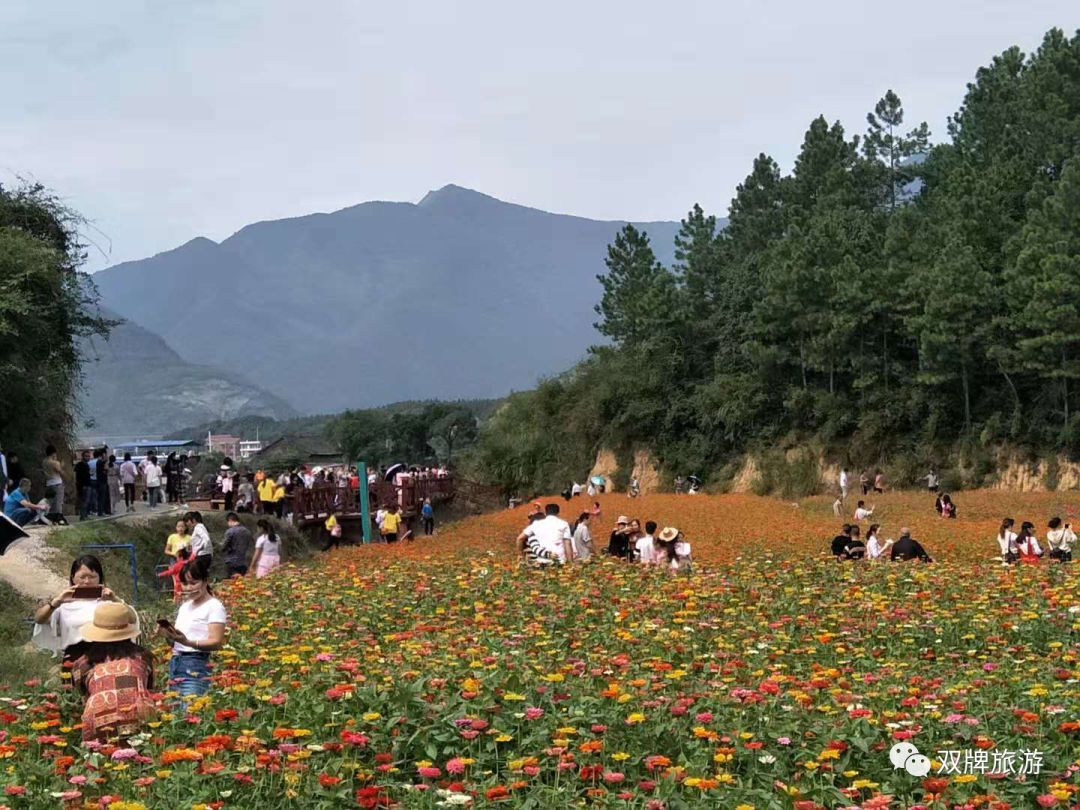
{"x":620,"y":756}
{"x":859,"y":784}
{"x":503,"y":738}
{"x":513,"y":696}
{"x":636,"y":717}
{"x":964,"y":778}
{"x":744,"y":807}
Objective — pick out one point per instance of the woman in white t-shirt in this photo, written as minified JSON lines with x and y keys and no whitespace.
{"x":875,"y":547}
{"x":1006,"y":538}
{"x":199,"y":630}
{"x":59,"y":622}
{"x":267,"y":550}
{"x":152,"y":481}
{"x":678,"y":549}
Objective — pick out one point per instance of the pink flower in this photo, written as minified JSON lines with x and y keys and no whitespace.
{"x":534,"y":713}
{"x":784,"y":740}
{"x":429,"y":773}
{"x":124,"y":753}
{"x":470,"y":734}
{"x":77,"y":780}
{"x":613,"y":777}
{"x":69,"y":795}
{"x":704,"y":717}
{"x":324,"y":657}
{"x":1046,"y":799}
{"x":455,"y":766}
{"x":597,"y":728}
{"x":989,"y":667}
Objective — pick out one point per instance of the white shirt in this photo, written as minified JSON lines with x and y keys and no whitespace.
{"x":863,"y":514}
{"x":1007,"y":543}
{"x":682,"y":555}
{"x":575,"y":489}
{"x":1035,"y":548}
{"x":200,"y":541}
{"x":64,"y":627}
{"x":379,"y":517}
{"x":128,"y":472}
{"x":647,"y":551}
{"x":875,"y":547}
{"x":1062,"y":538}
{"x":152,"y":474}
{"x":582,"y":541}
{"x":550,"y":532}
{"x":843,"y":479}
{"x":194,"y":621}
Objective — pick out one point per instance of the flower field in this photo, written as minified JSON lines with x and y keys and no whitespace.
{"x":442,"y":674}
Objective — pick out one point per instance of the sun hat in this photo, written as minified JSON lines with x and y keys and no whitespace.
{"x":622,"y":519}
{"x":113,"y":621}
{"x":224,"y":467}
{"x":669,"y":534}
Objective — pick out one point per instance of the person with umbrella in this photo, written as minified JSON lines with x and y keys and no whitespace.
{"x":695,"y":484}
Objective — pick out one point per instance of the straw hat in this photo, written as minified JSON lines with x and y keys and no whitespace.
{"x":669,"y":534}
{"x":113,"y":621}
{"x":622,"y":519}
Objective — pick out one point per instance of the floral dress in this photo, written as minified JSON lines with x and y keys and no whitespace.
{"x":118,"y":698}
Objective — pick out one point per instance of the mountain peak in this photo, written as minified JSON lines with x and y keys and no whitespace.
{"x":453,"y":196}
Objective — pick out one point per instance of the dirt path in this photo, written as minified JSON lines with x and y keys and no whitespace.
{"x":26,"y":565}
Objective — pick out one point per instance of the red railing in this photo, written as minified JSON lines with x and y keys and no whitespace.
{"x":324,"y":499}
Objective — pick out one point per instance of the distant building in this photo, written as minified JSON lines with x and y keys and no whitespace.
{"x":249,"y":447}
{"x":223,"y":443}
{"x":161,"y":447}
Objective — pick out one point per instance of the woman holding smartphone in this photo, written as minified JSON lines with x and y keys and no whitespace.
{"x":59,"y":622}
{"x":199,"y":630}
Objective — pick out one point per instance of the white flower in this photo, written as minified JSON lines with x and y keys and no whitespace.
{"x":766,"y":759}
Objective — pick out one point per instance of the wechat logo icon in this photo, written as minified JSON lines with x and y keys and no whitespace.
{"x":905,"y":755}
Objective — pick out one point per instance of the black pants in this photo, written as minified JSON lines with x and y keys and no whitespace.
{"x":103,"y":505}
{"x":390,"y":537}
{"x":429,"y":525}
{"x":129,"y":495}
{"x":228,"y":501}
{"x":235,"y":570}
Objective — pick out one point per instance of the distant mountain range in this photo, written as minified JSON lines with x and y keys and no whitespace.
{"x":459,"y":296}
{"x":134,"y":384}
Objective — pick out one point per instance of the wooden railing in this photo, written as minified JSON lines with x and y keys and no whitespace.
{"x":325,"y":499}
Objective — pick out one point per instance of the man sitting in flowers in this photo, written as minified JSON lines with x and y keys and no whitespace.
{"x":549,"y":534}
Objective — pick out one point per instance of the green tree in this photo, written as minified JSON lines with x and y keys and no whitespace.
{"x":887,"y":144}
{"x":46,"y":308}
{"x":1046,"y":284}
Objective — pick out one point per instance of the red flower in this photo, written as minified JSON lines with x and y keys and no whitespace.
{"x":496,"y":793}
{"x":224,"y":715}
{"x":935,"y":784}
{"x":328,"y":781}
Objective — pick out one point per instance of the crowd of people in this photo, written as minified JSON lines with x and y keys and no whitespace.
{"x":550,"y":540}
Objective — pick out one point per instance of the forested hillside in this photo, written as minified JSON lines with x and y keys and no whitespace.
{"x":869,"y":300}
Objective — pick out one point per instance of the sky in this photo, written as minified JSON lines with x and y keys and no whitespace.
{"x":160,"y":122}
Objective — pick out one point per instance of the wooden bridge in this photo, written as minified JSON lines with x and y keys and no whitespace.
{"x":312,"y":506}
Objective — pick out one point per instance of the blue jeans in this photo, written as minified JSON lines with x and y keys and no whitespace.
{"x":189,"y":673}
{"x":21,"y":515}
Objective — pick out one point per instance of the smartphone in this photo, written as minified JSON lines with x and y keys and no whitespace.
{"x":87,"y":592}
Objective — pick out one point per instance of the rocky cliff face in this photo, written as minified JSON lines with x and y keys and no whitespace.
{"x":134,"y":383}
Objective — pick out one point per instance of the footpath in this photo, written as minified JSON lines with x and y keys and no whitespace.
{"x":25,"y":566}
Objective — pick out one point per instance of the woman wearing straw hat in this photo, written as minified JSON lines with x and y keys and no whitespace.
{"x":678,"y":550}
{"x":114,"y":674}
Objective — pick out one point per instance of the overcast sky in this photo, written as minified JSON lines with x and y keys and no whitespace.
{"x":165,"y":121}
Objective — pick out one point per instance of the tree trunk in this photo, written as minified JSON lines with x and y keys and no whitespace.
{"x":885,"y":355}
{"x":1065,"y":386}
{"x":967,"y":398}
